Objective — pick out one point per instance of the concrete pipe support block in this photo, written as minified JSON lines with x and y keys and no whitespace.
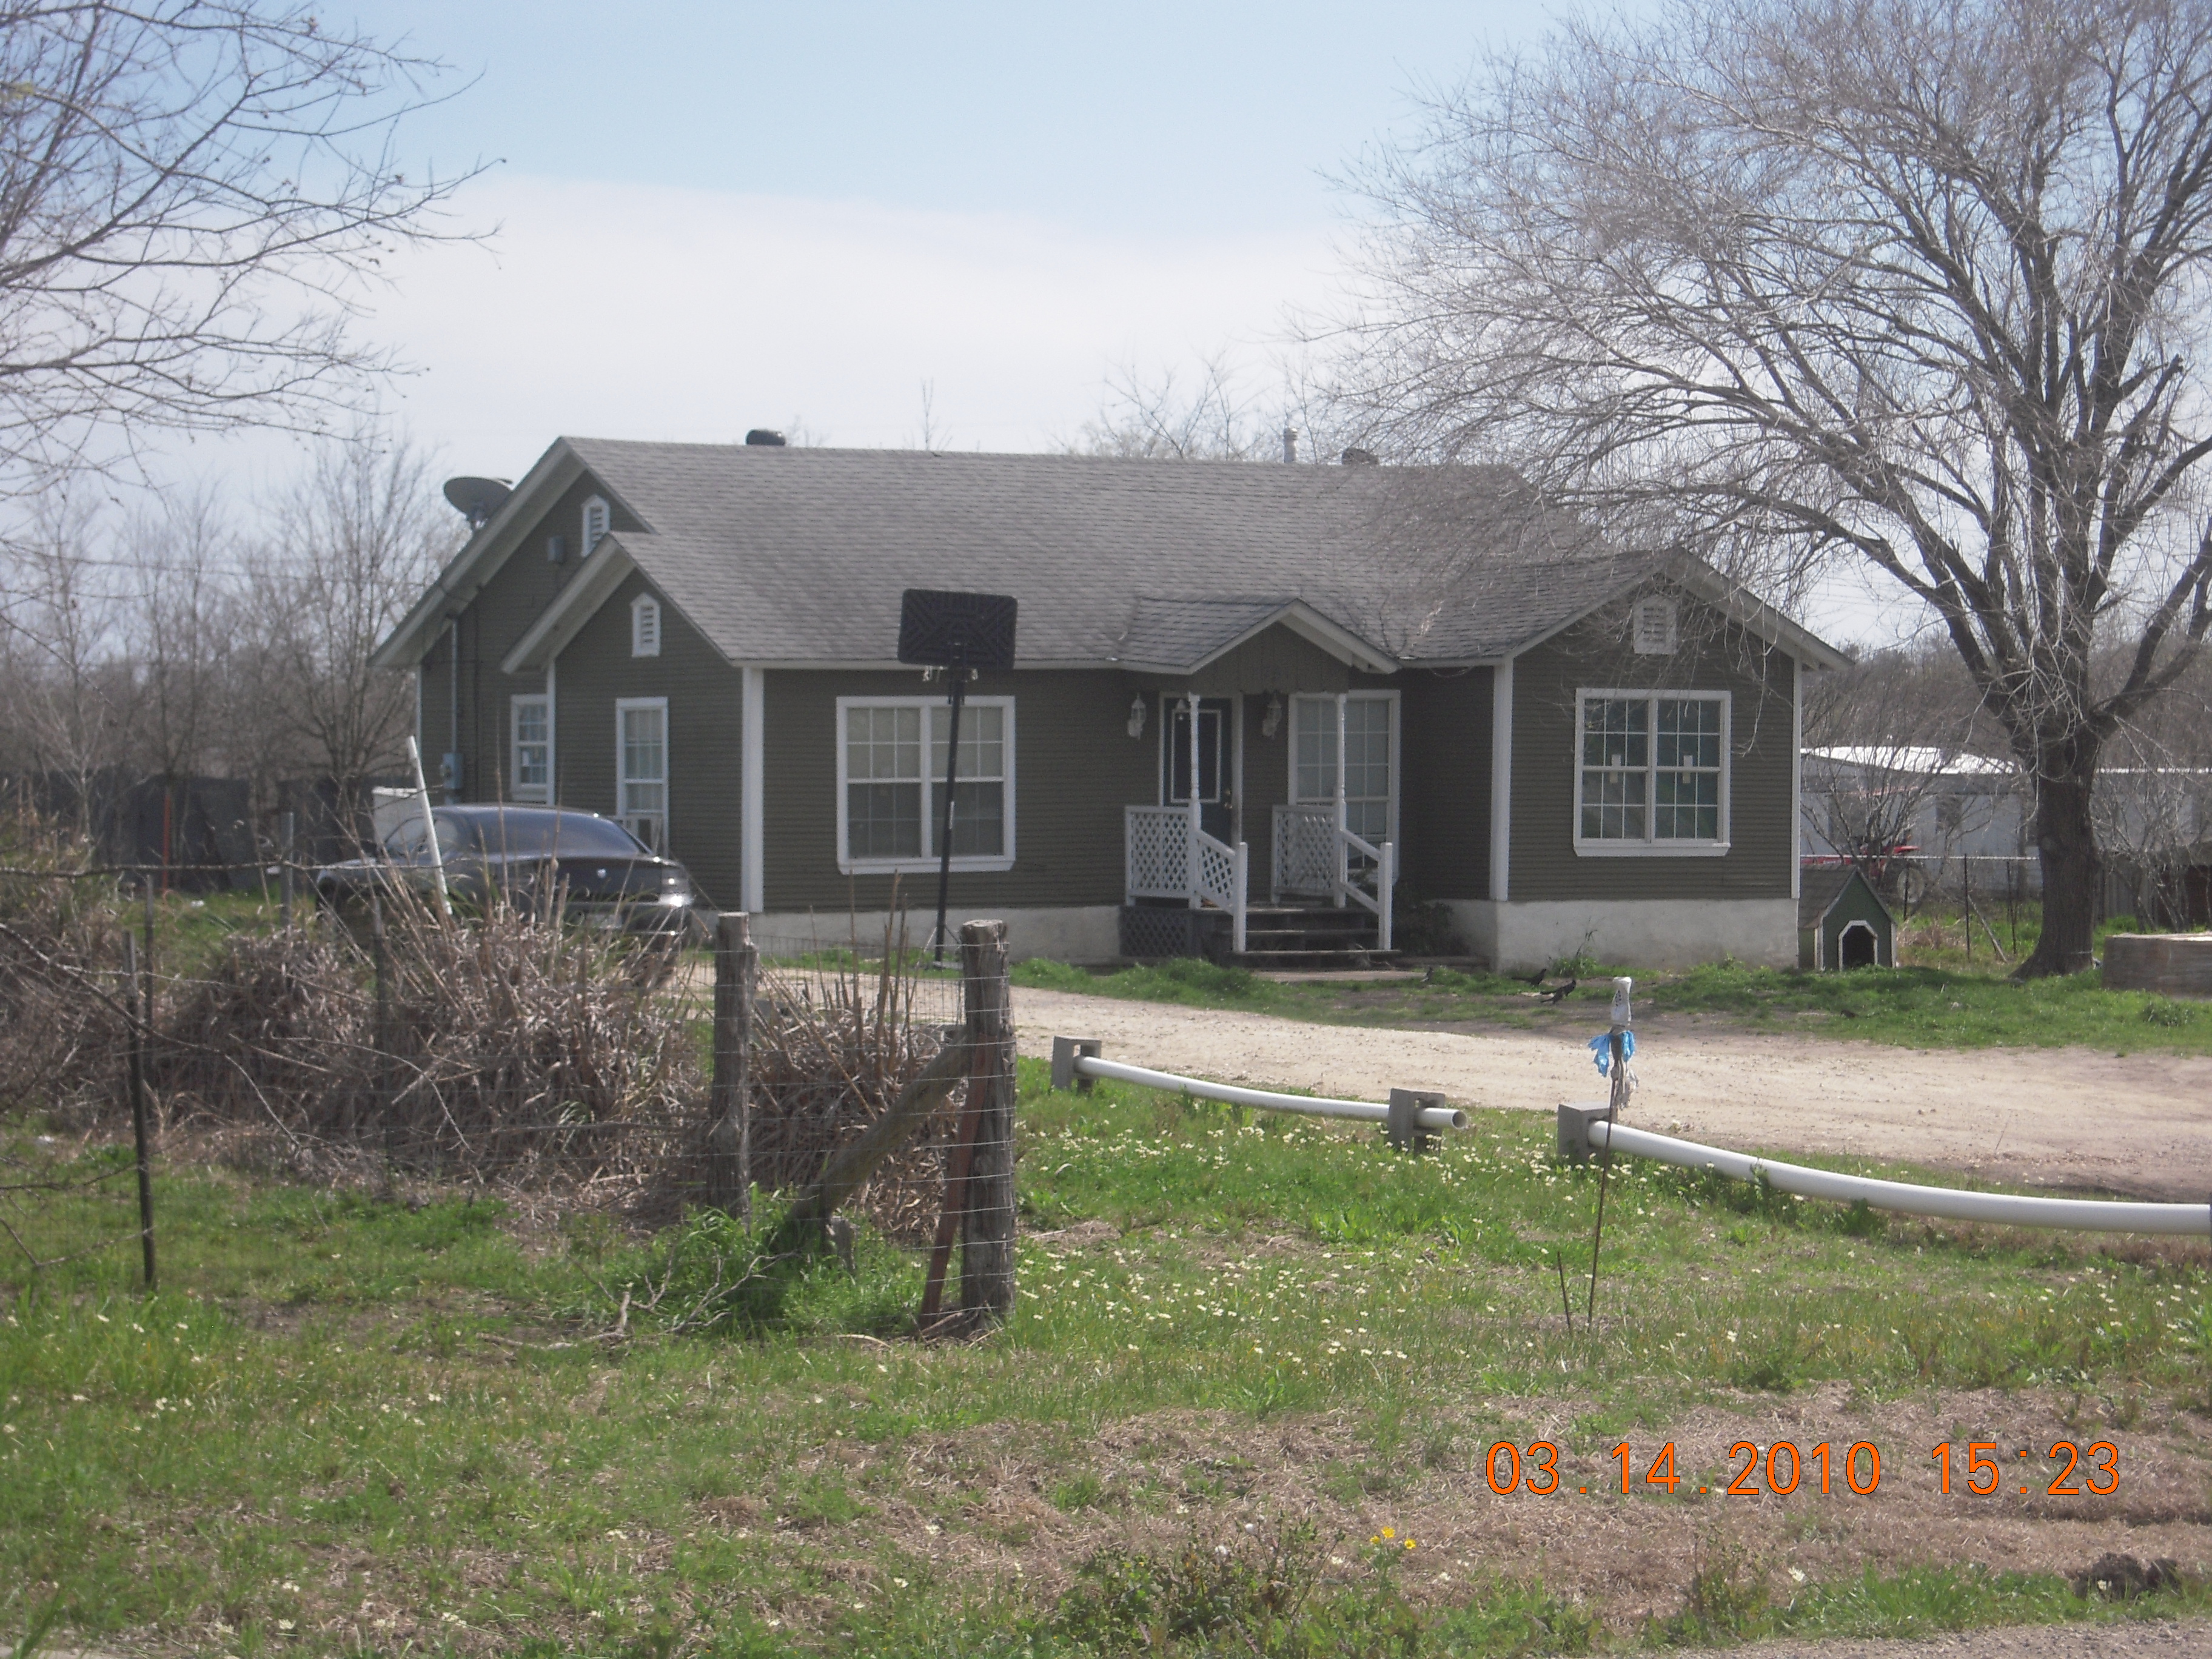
{"x":2178,"y":965}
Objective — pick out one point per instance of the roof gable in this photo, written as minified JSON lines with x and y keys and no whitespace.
{"x":798,"y":556}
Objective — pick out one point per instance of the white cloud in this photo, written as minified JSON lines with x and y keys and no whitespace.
{"x":619,"y":311}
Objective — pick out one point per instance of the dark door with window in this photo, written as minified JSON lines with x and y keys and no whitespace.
{"x":1217,"y":804}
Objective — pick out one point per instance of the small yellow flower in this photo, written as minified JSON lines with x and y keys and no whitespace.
{"x":1389,"y":1532}
{"x":1409,"y":1543}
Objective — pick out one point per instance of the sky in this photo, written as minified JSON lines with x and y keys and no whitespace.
{"x":705,"y":218}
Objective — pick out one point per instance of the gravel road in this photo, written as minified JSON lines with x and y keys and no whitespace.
{"x":2130,"y":1639}
{"x":2139,"y":1124}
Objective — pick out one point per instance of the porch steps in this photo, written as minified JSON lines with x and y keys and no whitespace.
{"x":1284,"y":936}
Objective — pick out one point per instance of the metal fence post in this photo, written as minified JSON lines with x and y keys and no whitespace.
{"x":729,"y":1136}
{"x":135,"y":1065}
{"x":987,"y":1256}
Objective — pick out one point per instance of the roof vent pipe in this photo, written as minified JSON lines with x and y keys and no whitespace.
{"x":1290,"y":446}
{"x":761,"y":438}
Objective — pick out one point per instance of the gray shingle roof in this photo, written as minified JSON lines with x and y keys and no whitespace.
{"x":800,"y":554}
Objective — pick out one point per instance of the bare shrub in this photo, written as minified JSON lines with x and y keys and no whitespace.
{"x":510,"y":1048}
{"x":60,"y":1024}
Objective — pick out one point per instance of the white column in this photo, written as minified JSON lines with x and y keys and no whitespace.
{"x":752,"y":866}
{"x":1190,"y":839}
{"x":1797,"y":776}
{"x":1343,"y":821}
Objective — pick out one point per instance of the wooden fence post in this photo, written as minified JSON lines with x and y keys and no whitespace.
{"x":987,"y":1256}
{"x":729,"y":1134}
{"x":379,"y":954}
{"x":136,"y":1064}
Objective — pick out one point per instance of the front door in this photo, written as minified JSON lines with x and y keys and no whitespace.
{"x":1217,"y":804}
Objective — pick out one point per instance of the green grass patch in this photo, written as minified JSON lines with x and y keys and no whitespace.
{"x":349,"y":1422}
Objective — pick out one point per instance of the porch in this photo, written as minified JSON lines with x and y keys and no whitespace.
{"x":1324,"y":890}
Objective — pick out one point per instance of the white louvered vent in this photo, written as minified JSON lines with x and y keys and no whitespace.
{"x":645,"y":626}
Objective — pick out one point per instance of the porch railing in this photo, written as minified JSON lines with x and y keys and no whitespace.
{"x":1316,"y":857}
{"x":1167,"y":856}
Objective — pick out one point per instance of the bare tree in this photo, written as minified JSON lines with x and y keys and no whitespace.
{"x":1920,"y":282}
{"x":191,"y":192}
{"x":60,"y":684}
{"x":353,"y":543}
{"x":180,"y":626}
{"x":1210,"y":415}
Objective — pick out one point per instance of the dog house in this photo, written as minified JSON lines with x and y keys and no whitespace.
{"x":1841,"y":921}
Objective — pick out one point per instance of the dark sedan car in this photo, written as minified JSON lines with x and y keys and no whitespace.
{"x":613,"y":881}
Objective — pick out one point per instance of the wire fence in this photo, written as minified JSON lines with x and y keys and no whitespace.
{"x":570,"y":1062}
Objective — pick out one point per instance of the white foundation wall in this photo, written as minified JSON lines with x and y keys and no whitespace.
{"x":1069,"y":933}
{"x":1516,"y":936}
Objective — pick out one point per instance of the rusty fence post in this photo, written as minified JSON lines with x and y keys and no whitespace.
{"x":729,"y":1135}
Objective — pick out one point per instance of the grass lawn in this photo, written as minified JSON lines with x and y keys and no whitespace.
{"x":1244,"y":1350}
{"x":1940,"y":998}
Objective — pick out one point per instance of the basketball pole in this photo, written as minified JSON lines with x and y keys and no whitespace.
{"x":945,"y":841}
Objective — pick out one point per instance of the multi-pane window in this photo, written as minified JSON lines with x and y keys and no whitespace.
{"x":1652,"y":770}
{"x":894,"y":808}
{"x":1366,"y":759}
{"x":531,"y":764}
{"x":642,"y":768}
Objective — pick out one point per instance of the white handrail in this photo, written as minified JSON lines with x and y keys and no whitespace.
{"x":1364,"y":1111}
{"x":1999,"y":1209}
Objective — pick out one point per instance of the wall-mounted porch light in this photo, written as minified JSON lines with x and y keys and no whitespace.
{"x":1272,"y":721}
{"x":1137,"y":715}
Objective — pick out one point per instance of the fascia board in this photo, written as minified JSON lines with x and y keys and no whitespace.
{"x":573,"y":606}
{"x":1708,"y":584}
{"x":1301,"y":619}
{"x":479,"y":559}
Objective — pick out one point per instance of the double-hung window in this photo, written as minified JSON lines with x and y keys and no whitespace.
{"x":1652,"y":773}
{"x":642,"y":768}
{"x":891,"y":793}
{"x":531,"y":764}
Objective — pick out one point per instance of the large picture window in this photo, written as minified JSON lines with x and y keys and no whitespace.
{"x":642,"y":768}
{"x":1652,"y":771}
{"x":892,"y":796}
{"x":531,"y":764}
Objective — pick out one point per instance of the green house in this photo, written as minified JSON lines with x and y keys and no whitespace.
{"x":1842,"y":922}
{"x":1251,"y":702}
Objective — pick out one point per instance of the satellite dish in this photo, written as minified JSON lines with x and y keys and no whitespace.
{"x":478,"y":499}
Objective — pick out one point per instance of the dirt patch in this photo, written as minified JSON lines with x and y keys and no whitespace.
{"x":1030,"y":1506}
{"x":2067,"y":1118}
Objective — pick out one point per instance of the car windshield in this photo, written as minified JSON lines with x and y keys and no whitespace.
{"x":531,"y":833}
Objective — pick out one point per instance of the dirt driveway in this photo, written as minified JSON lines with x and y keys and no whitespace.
{"x":2139,"y":1124}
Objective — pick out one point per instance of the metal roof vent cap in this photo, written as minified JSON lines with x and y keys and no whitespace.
{"x":1356,"y":457}
{"x":761,"y":438}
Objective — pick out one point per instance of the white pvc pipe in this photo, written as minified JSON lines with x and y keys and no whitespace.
{"x":1364,"y":1111}
{"x":1999,"y":1209}
{"x":430,"y":828}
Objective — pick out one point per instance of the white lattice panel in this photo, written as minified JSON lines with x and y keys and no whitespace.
{"x":1156,"y":843}
{"x":1217,"y":872}
{"x":1305,"y":851}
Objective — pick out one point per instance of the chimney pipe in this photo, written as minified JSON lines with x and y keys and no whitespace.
{"x":1290,"y":446}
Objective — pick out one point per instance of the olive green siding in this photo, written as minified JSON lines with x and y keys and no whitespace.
{"x":1443,"y":798}
{"x":1714,"y":656}
{"x":1075,"y":768}
{"x":706,"y":703}
{"x":490,"y":624}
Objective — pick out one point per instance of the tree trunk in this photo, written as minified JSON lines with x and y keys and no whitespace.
{"x":2073,"y":870}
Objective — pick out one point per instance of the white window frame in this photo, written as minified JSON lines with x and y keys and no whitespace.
{"x":1651,"y":846}
{"x":974,"y":863}
{"x":628,"y":819}
{"x":595,"y":506}
{"x":1298,"y":700}
{"x":642,"y":606}
{"x":517,"y":789}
